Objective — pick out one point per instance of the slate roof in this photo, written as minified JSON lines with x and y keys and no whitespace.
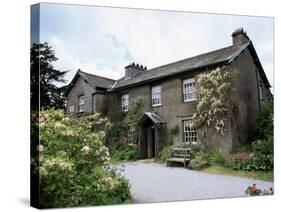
{"x":92,"y":80}
{"x":97,"y":81}
{"x":153,"y":117}
{"x":224,"y":55}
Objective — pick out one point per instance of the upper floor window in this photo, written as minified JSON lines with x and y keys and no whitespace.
{"x":156,"y":96}
{"x":71,"y":108}
{"x":125,"y":102}
{"x":81,"y":102}
{"x":189,"y":90}
{"x":189,"y":133}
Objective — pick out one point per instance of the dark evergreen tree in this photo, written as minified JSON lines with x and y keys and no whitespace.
{"x":45,"y":78}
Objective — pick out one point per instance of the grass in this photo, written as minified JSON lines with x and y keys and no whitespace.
{"x":260,"y":175}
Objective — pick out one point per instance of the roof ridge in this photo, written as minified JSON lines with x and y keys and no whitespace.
{"x":157,"y":67}
{"x":97,"y":75}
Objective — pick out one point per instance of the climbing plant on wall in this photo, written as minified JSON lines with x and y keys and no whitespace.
{"x":215,"y":98}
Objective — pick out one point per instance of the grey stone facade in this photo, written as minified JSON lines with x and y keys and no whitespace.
{"x":253,"y":90}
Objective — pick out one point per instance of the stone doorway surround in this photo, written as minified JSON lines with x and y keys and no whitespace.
{"x":152,"y":130}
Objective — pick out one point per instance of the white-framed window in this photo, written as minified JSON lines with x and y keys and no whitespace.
{"x":81,"y":102}
{"x":71,"y":108}
{"x":156,"y":96}
{"x":189,"y":90}
{"x":189,"y":133}
{"x":125,"y":102}
{"x":131,"y":135}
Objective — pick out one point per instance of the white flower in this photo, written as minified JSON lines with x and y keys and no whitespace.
{"x":85,"y":150}
{"x":40,"y":148}
{"x":58,"y":125}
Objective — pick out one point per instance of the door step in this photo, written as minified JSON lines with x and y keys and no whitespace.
{"x":149,"y":160}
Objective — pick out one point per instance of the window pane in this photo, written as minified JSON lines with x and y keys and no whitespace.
{"x":190,"y":135}
{"x":189,"y":92}
{"x":156,"y":95}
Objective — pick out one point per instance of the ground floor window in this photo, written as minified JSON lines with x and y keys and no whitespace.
{"x":71,"y":108}
{"x":189,"y":133}
{"x":131,"y":135}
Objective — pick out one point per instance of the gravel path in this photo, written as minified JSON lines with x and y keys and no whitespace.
{"x":152,"y":182}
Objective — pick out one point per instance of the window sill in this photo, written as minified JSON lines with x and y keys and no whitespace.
{"x":157,"y":105}
{"x":190,"y":100}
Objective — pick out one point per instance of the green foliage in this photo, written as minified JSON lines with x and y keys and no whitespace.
{"x":259,"y":162}
{"x":214,"y":105}
{"x":263,"y":146}
{"x":124,"y":152}
{"x":119,"y":132}
{"x":174,"y":130}
{"x":215,"y":158}
{"x":242,"y":148}
{"x":164,"y":153}
{"x":198,"y":162}
{"x":74,"y":167}
{"x":44,"y":78}
{"x":264,"y":122}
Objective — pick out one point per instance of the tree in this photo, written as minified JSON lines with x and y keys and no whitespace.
{"x":44,"y":78}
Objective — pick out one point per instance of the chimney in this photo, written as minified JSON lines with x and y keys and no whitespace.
{"x":239,"y":37}
{"x":133,"y":69}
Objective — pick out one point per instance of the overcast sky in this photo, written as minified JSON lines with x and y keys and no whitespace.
{"x":103,"y":40}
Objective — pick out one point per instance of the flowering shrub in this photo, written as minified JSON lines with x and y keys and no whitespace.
{"x":214,"y":105}
{"x":254,"y":191}
{"x":73,"y":162}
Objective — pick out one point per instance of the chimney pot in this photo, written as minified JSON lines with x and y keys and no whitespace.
{"x":239,"y":37}
{"x":133,"y":69}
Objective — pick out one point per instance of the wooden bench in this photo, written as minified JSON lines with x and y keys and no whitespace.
{"x":180,"y":155}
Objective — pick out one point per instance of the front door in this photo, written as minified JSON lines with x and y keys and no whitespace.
{"x":147,"y":141}
{"x":150,"y":142}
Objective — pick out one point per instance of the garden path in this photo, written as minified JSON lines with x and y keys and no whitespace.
{"x":152,"y":182}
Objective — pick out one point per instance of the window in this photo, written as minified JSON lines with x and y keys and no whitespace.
{"x":71,"y":108}
{"x":156,"y":96}
{"x":189,"y":133}
{"x":81,"y":103}
{"x":189,"y":91}
{"x":131,"y":135}
{"x":125,"y":102}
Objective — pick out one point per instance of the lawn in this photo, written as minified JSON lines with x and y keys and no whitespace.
{"x":260,"y":175}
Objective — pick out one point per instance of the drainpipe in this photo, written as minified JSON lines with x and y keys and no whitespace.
{"x":258,"y":82}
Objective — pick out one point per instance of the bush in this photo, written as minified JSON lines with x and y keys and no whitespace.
{"x":198,"y":162}
{"x":124,"y":152}
{"x":258,"y":162}
{"x":215,"y":158}
{"x":263,"y":146}
{"x":264,"y":122}
{"x":74,"y":167}
{"x":164,"y":153}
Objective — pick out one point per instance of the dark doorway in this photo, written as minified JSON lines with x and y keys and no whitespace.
{"x":147,"y":145}
{"x":150,"y":136}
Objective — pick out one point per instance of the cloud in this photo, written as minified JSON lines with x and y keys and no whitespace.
{"x":103,"y":41}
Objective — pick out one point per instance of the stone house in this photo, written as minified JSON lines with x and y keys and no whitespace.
{"x":168,"y":95}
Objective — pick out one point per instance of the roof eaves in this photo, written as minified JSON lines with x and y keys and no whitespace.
{"x":169,"y":75}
